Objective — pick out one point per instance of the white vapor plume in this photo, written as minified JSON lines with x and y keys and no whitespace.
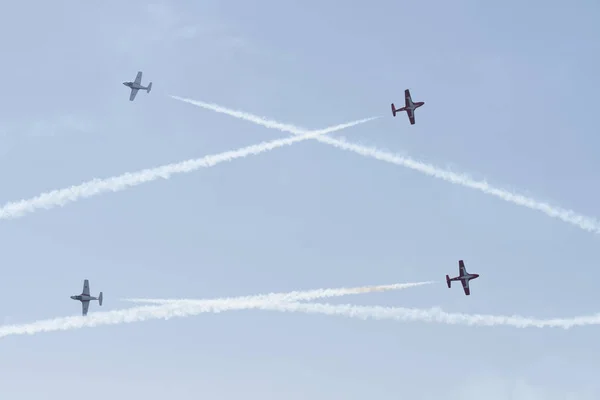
{"x":586,"y":223}
{"x":297,"y":295}
{"x":94,"y":187}
{"x":435,"y":314}
{"x":184,"y":309}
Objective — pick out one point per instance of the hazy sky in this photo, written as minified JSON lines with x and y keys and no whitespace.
{"x":511,"y":93}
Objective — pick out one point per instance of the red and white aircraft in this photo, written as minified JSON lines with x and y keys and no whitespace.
{"x":463,"y":276}
{"x":409,"y":107}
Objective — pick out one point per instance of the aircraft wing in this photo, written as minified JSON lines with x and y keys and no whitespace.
{"x":133,"y":93}
{"x":411,"y":116}
{"x":462,"y":271}
{"x":407,"y":98}
{"x":84,"y":307}
{"x":138,"y":78}
{"x":86,"y":287}
{"x":466,"y":288}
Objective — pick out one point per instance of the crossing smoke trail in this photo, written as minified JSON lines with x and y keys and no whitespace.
{"x":586,"y":223}
{"x":431,"y":315}
{"x":117,"y":183}
{"x":296,"y":295}
{"x":185,"y":309}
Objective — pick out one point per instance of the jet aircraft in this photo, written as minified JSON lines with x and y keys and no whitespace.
{"x":463,"y":276}
{"x":137,"y":85}
{"x":409,"y":107}
{"x":85,"y":297}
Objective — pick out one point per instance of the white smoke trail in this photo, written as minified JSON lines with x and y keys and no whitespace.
{"x":431,"y":315}
{"x":263,"y":121}
{"x":586,"y":223}
{"x":296,"y":295}
{"x":117,"y":183}
{"x":183,"y":309}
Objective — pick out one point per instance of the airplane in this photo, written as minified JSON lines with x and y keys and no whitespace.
{"x":409,"y":107}
{"x":463,"y":276}
{"x":137,"y":85}
{"x":85,"y":297}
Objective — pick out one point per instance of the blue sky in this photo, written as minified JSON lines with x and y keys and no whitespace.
{"x":510,"y":92}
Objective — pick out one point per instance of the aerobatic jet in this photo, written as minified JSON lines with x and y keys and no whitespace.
{"x":409,"y":107}
{"x":463,"y":276}
{"x":137,"y":85}
{"x":85,"y":297}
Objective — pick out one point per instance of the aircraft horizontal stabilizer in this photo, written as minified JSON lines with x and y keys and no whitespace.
{"x":149,"y":88}
{"x":448,"y":281}
{"x":100,"y":298}
{"x":394,"y":110}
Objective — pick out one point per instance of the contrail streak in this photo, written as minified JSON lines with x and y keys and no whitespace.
{"x":586,"y":223}
{"x":296,"y":295}
{"x":94,"y":187}
{"x":431,"y":315}
{"x":183,"y":309}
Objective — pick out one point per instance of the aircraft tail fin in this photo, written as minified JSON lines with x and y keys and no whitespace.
{"x":100,"y":298}
{"x":149,"y":88}
{"x":448,"y":281}
{"x":395,"y":110}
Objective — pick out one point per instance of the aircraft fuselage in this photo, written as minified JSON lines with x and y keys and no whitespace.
{"x":465,"y":278}
{"x":468,"y":277}
{"x":134,"y":85}
{"x":83,"y":297}
{"x":413,"y":106}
